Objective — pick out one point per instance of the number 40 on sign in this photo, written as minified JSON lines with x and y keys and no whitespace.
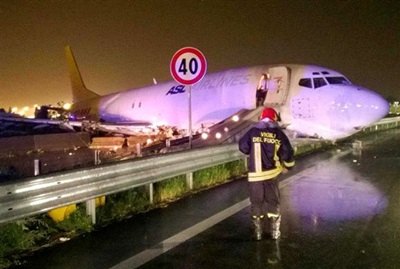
{"x":188,"y":66}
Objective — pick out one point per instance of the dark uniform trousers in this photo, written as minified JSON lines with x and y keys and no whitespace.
{"x":264,"y":197}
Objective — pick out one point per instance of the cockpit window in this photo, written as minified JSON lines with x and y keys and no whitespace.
{"x":319,"y":82}
{"x":338,"y":80}
{"x":305,"y":82}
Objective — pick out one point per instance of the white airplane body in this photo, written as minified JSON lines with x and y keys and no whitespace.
{"x":312,"y":100}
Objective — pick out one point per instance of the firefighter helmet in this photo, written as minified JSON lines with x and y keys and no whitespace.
{"x":269,"y":113}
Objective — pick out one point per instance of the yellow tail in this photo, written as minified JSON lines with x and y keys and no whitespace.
{"x":79,"y":90}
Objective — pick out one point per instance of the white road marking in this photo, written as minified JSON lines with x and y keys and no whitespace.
{"x":156,"y":250}
{"x":169,"y":243}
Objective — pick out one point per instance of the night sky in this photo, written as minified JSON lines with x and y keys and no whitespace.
{"x":124,"y":44}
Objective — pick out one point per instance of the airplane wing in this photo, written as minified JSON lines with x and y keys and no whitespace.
{"x":13,"y":125}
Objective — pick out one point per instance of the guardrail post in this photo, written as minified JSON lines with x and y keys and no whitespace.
{"x":36,"y":165}
{"x":97,"y":160}
{"x":150,"y":188}
{"x":91,"y":209}
{"x":246,"y":164}
{"x":138,"y":150}
{"x":189,"y":180}
{"x":91,"y":204}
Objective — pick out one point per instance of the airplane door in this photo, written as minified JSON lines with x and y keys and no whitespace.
{"x":278,"y":86}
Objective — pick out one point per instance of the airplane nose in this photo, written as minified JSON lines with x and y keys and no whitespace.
{"x":369,"y":107}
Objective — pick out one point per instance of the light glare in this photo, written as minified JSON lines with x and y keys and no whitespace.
{"x":67,"y":106}
{"x":235,"y":118}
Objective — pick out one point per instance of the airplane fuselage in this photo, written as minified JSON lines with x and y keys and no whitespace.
{"x":312,"y":100}
{"x":216,"y":97}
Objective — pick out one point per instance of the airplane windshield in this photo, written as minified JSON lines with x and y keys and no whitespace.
{"x":338,"y":80}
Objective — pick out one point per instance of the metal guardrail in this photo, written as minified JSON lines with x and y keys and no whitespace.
{"x":40,"y":194}
{"x":385,"y":123}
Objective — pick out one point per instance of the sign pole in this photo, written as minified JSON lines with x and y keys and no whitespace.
{"x":188,"y":66}
{"x":190,"y":117}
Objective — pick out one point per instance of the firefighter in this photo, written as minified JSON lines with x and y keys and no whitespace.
{"x":270,"y":154}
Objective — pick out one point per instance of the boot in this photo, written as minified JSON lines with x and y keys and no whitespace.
{"x":258,"y":226}
{"x":275,"y":226}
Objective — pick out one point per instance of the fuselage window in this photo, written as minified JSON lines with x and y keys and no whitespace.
{"x":338,"y":80}
{"x":138,"y":106}
{"x":305,"y":82}
{"x":319,"y":82}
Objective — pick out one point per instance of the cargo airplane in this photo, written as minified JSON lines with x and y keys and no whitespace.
{"x":312,"y":100}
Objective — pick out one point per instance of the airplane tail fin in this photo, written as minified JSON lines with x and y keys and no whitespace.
{"x":79,"y":90}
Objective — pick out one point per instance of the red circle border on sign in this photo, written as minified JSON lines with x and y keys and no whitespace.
{"x":203,"y":69}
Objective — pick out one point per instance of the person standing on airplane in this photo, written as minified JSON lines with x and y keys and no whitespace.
{"x":270,"y":154}
{"x":262,"y":89}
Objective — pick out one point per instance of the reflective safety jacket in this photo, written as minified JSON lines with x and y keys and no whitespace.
{"x":269,"y":151}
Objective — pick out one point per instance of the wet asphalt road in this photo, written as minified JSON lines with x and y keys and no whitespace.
{"x":340,"y":209}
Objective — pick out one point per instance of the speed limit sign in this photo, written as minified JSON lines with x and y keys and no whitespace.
{"x":188,"y":66}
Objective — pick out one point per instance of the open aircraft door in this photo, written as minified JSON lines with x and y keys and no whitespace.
{"x":278,"y":86}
